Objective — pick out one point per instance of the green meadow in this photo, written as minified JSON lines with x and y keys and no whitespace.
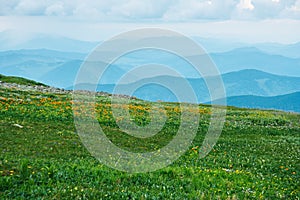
{"x":42,"y":157}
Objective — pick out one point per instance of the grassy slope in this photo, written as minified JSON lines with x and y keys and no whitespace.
{"x":257,"y":155}
{"x":18,"y":80}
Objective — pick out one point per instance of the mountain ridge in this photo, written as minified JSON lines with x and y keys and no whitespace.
{"x":236,"y":84}
{"x":287,"y":102}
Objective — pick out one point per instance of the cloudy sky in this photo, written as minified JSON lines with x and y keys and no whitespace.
{"x":245,"y":20}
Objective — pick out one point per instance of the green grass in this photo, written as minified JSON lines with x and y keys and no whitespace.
{"x":19,"y":80}
{"x":256,"y":157}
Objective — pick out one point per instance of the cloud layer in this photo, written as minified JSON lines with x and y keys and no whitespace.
{"x":163,"y":10}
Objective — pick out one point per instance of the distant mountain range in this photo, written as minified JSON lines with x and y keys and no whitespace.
{"x":250,"y":71}
{"x":254,"y":82}
{"x":288,"y":102}
{"x":287,"y":50}
{"x":59,"y":69}
{"x":245,"y":82}
{"x":253,"y":58}
{"x":40,"y":64}
{"x":34,"y":63}
{"x":11,"y":40}
{"x":213,"y":45}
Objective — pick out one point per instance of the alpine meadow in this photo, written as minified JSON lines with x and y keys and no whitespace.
{"x":256,"y":156}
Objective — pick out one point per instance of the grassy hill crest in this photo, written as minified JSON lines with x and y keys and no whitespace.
{"x":19,"y":80}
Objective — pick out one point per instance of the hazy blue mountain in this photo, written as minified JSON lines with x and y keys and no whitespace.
{"x":11,"y":40}
{"x":254,"y":82}
{"x":48,"y":66}
{"x":213,"y":45}
{"x":160,"y":88}
{"x":245,"y":82}
{"x":288,"y":102}
{"x":253,"y":58}
{"x":62,"y":75}
{"x":65,"y":74}
{"x":234,"y":60}
{"x":45,"y":55}
{"x":31,"y":69}
{"x":287,"y":50}
{"x":35,"y":63}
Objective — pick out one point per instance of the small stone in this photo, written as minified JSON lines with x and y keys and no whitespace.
{"x":18,"y":125}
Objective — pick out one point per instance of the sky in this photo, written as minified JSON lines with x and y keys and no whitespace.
{"x":242,"y":20}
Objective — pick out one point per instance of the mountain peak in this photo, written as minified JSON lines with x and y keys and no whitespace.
{"x":250,"y":72}
{"x":250,"y":49}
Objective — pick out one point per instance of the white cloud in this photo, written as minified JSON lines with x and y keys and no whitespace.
{"x":245,"y":5}
{"x":56,"y":9}
{"x":282,"y":31}
{"x":292,"y":11}
{"x":205,"y":9}
{"x":137,"y":9}
{"x":29,"y":7}
{"x":163,"y":10}
{"x":271,"y":9}
{"x":6,"y":6}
